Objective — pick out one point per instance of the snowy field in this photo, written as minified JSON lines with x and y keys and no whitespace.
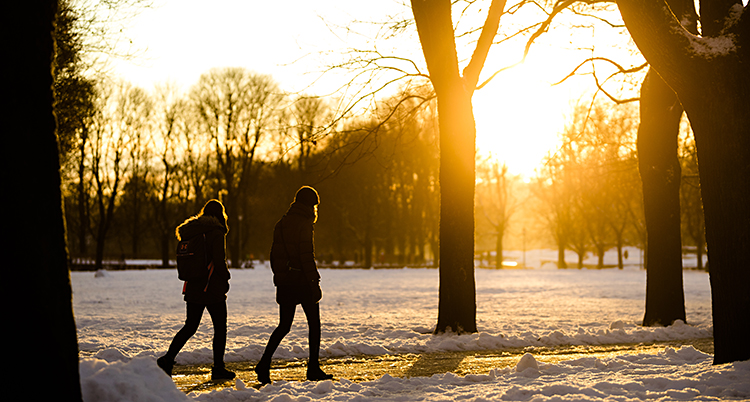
{"x":126,"y":319}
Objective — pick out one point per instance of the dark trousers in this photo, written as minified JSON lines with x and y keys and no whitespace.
{"x":286,"y":317}
{"x":218,"y":312}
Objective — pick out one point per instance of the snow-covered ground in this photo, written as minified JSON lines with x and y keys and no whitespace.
{"x":127,"y":318}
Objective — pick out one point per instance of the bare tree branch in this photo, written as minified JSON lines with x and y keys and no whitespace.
{"x":489,"y":30}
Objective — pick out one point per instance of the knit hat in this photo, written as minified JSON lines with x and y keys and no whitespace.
{"x":307,"y":196}
{"x":213,"y":208}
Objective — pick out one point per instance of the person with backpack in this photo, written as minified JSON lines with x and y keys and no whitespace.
{"x":205,"y":235}
{"x":297,"y":281}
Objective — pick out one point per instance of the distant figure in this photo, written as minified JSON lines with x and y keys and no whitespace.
{"x":210,"y":294}
{"x":297,"y":281}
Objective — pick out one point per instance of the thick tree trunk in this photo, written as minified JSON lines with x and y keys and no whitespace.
{"x":659,"y":167}
{"x":714,"y":88}
{"x":457,"y":289}
{"x":42,"y":320}
{"x":721,"y":123}
{"x":457,"y":304}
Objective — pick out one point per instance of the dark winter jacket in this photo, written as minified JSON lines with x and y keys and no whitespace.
{"x":292,"y":251}
{"x":218,"y":286}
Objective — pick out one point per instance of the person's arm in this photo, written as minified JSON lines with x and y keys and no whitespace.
{"x":219,"y":255}
{"x":307,"y":253}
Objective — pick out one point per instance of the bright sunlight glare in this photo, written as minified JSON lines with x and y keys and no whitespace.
{"x":518,"y":118}
{"x":518,"y":114}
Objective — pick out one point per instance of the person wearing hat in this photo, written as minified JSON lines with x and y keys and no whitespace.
{"x":297,"y":281}
{"x":209,"y":294}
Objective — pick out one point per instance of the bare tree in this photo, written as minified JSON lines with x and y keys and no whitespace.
{"x":311,"y":117}
{"x":236,"y":108}
{"x":134,"y":112}
{"x":659,"y":167}
{"x":457,"y":290}
{"x":496,"y":199}
{"x":169,"y":115}
{"x":107,"y":166}
{"x":556,"y":204}
{"x":708,"y":74}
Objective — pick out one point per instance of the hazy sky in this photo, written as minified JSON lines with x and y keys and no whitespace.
{"x":518,"y":115}
{"x":184,"y":38}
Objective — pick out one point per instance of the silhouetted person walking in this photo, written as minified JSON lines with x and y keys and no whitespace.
{"x":209,"y":294}
{"x":297,"y":280}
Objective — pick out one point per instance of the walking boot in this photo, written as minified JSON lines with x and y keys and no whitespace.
{"x":263,"y":370}
{"x":221,"y":373}
{"x":165,"y":364}
{"x":315,"y":373}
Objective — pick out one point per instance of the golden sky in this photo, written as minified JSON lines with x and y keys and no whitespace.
{"x":519,"y":114}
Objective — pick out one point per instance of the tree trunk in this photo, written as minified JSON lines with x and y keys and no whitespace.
{"x":105,"y":219}
{"x":166,"y":252}
{"x":714,"y":89}
{"x":136,"y":223}
{"x":561,"y":256}
{"x":231,"y":204}
{"x":457,"y":291}
{"x":44,"y":319}
{"x":367,"y":250}
{"x":457,"y":304}
{"x":721,"y":123}
{"x":83,"y":213}
{"x":659,"y":167}
{"x":499,"y":249}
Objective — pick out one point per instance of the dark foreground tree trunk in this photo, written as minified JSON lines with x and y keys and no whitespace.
{"x":659,"y":167}
{"x":41,"y":314}
{"x":713,"y":86}
{"x":722,"y":127}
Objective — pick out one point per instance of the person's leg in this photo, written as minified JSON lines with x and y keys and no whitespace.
{"x":218,"y":313}
{"x":314,"y":372}
{"x":286,"y":318}
{"x":312,"y":312}
{"x":192,"y":322}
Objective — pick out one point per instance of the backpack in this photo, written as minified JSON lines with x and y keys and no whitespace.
{"x":277,"y":266}
{"x":192,"y":259}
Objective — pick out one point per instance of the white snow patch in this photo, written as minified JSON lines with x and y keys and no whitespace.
{"x":125,"y":319}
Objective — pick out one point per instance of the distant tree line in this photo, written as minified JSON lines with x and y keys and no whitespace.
{"x":140,"y":162}
{"x":137,"y":163}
